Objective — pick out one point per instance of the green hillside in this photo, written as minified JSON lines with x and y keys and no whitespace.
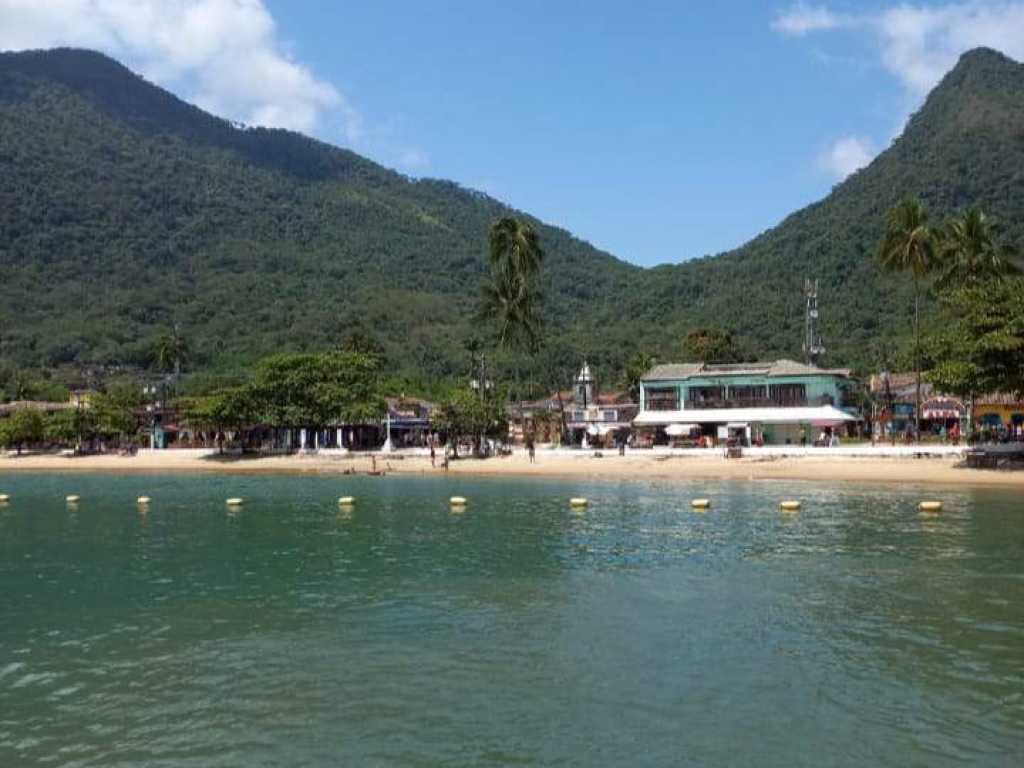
{"x":124,"y":210}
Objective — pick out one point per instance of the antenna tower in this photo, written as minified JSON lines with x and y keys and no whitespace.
{"x":813,"y":348}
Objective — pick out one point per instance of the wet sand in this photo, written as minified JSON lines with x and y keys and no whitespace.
{"x":638,"y":465}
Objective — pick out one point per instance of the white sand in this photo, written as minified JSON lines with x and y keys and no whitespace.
{"x":860,"y":466}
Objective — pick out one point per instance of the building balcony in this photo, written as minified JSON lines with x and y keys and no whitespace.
{"x":758,"y":402}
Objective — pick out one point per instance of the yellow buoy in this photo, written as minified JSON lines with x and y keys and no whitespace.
{"x":930,"y":506}
{"x":700,"y":503}
{"x":143,"y":500}
{"x":790,"y":506}
{"x":72,"y":499}
{"x":4,"y":498}
{"x":234,"y":502}
{"x":578,"y":501}
{"x":458,"y":501}
{"x":347,"y":500}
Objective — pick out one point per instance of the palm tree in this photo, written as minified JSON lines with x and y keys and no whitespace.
{"x":171,"y":351}
{"x":511,"y":304}
{"x":636,"y":368}
{"x":510,"y":298}
{"x":970,"y":254}
{"x":909,"y":246}
{"x":515,"y":248}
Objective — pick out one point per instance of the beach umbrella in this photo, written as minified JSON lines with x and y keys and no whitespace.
{"x":677,"y":430}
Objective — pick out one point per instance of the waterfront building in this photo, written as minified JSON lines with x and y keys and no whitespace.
{"x":942,"y":413}
{"x":780,"y":402}
{"x":596,"y":418}
{"x":593,"y":418}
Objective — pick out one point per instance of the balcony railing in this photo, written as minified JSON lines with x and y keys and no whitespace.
{"x":662,"y":404}
{"x":759,"y":402}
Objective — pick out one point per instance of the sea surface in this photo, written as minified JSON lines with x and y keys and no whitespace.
{"x":515,"y":632}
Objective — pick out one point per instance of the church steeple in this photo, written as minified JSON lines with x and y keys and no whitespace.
{"x":584,"y":392}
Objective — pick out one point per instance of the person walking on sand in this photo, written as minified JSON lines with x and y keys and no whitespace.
{"x":433,"y":454}
{"x":531,"y":449}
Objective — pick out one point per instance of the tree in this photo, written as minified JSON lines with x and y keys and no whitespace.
{"x":466,"y":414}
{"x":636,"y":368}
{"x":362,"y":342}
{"x":909,"y":246}
{"x":116,"y":410}
{"x":710,"y":345}
{"x":510,"y":297}
{"x":229,"y":409}
{"x":981,"y":349}
{"x":23,"y":426}
{"x":69,"y":426}
{"x":171,"y":351}
{"x":301,"y":390}
{"x":970,"y":254}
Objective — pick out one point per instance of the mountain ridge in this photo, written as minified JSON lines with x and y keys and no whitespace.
{"x":128,"y":209}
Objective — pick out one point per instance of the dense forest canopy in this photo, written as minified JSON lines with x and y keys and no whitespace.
{"x":125,"y":212}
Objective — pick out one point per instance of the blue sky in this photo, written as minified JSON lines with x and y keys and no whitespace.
{"x":659,"y":131}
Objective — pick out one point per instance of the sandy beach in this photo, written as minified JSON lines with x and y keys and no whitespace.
{"x":938,"y":469}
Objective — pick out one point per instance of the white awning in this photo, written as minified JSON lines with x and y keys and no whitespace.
{"x":818,"y":414}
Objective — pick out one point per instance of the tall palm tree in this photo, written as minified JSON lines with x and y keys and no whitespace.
{"x":515,"y":247}
{"x":171,"y":351}
{"x":510,"y":298}
{"x":969,"y":252}
{"x":511,"y":303}
{"x":909,"y":246}
{"x":636,"y":368}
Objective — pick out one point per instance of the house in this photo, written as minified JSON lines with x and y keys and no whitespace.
{"x":779,"y":402}
{"x":597,"y":418}
{"x":592,"y":417}
{"x":896,"y":395}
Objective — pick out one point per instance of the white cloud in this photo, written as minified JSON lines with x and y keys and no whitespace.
{"x":802,"y":19}
{"x":917,"y":44}
{"x":920,"y":43}
{"x":225,"y":52}
{"x":224,"y":55}
{"x":846,"y":155}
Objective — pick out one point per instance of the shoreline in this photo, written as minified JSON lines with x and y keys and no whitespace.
{"x":936,"y":469}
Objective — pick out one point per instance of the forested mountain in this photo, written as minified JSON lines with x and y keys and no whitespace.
{"x":124,"y":210}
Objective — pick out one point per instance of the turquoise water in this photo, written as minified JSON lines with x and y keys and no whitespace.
{"x":518,"y":632}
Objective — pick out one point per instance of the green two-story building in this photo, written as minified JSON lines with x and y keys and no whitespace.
{"x":774,"y":402}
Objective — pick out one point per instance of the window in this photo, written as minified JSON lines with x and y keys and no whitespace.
{"x":748,"y":393}
{"x":788,"y":394}
{"x":662,"y":399}
{"x":579,"y":415}
{"x":706,"y":397}
{"x":609,"y":416}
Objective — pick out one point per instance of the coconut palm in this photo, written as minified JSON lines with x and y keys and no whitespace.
{"x":636,"y":368}
{"x":512,"y":304}
{"x":909,"y":246}
{"x":510,"y":298}
{"x":515,"y":248}
{"x":970,"y":254}
{"x":171,"y":351}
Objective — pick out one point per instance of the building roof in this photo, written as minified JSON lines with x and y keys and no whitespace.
{"x":6,"y":409}
{"x":676,"y":371}
{"x":903,"y":386}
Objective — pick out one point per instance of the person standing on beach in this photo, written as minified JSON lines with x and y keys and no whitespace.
{"x":531,"y":449}
{"x":433,"y":454}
